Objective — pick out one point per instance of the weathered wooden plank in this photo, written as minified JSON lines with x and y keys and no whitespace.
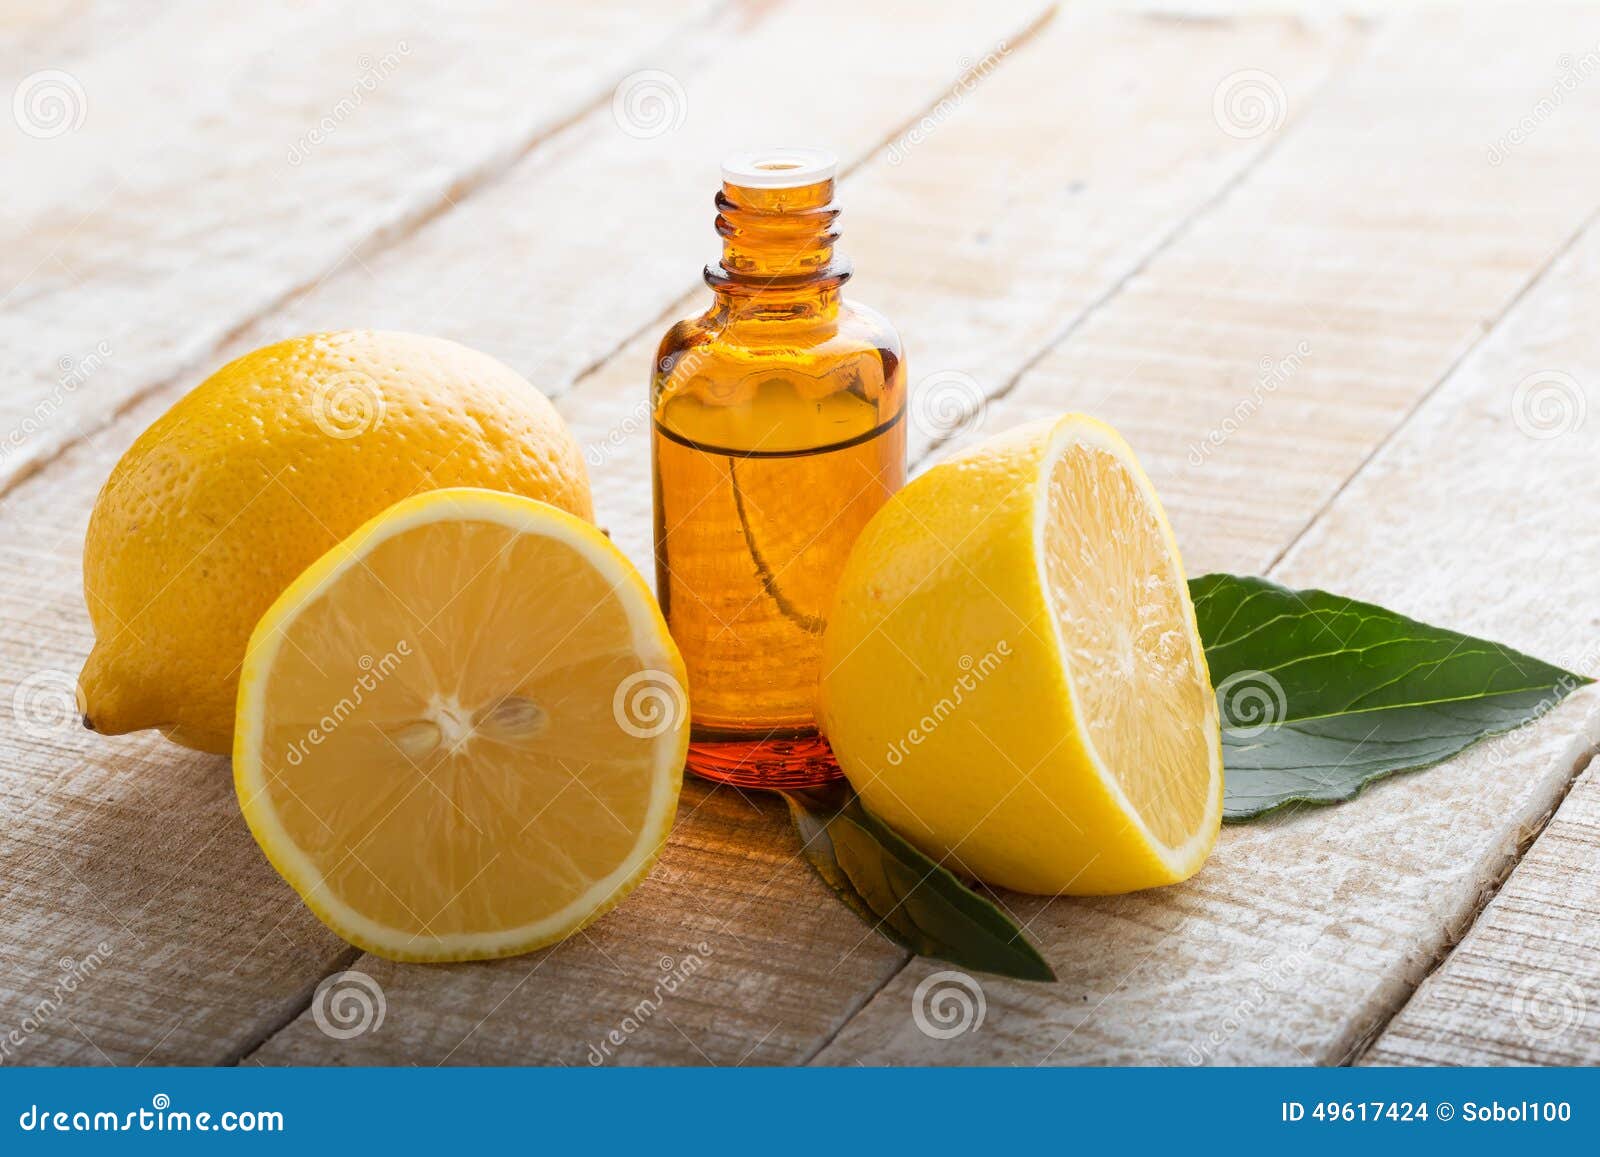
{"x":711,"y":961}
{"x":1523,"y":986}
{"x":792,"y":962}
{"x":1341,"y":279}
{"x":150,"y":831}
{"x":588,"y":241}
{"x":189,"y":171}
{"x":1384,"y":242}
{"x":57,"y":28}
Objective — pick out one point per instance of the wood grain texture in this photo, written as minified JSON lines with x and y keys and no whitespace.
{"x":1523,"y":986}
{"x":713,"y":960}
{"x":588,"y":241}
{"x":170,"y":858}
{"x":1337,"y":283}
{"x":202,"y":169}
{"x":800,"y":954}
{"x":1305,"y":933}
{"x":989,"y":236}
{"x":137,"y":846}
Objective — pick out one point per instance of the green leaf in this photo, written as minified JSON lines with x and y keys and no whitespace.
{"x":1320,"y":694}
{"x":902,"y":893}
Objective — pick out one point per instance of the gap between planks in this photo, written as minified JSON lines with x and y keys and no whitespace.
{"x":1485,"y":332}
{"x":1171,"y":237}
{"x":1581,"y":760}
{"x":474,"y":178}
{"x":292,"y":1010}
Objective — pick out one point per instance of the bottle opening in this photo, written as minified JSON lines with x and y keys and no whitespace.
{"x":779,"y":168}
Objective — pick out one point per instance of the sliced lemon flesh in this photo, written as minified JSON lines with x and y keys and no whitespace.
{"x":1130,"y":649}
{"x":461,"y":732}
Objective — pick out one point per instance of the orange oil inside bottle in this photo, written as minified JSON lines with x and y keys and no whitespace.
{"x":778,"y":432}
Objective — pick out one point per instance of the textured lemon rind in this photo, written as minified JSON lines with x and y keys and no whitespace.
{"x":250,"y":476}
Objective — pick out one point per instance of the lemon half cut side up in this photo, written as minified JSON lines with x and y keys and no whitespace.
{"x":461,"y":732}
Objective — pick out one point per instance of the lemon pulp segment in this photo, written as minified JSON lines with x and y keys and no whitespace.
{"x":1131,"y":656}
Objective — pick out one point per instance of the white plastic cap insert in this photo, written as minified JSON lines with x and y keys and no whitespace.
{"x":779,"y":168}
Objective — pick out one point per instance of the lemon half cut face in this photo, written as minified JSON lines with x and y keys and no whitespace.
{"x":461,"y":732}
{"x":1131,"y":652}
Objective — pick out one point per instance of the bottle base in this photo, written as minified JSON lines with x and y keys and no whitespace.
{"x":786,"y":764}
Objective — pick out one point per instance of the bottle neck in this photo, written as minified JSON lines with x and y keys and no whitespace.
{"x":777,"y":249}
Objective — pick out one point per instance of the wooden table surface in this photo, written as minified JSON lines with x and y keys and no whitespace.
{"x":1142,"y":214}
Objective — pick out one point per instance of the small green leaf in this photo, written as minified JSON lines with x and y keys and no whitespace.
{"x":902,"y":893}
{"x":1320,"y":694}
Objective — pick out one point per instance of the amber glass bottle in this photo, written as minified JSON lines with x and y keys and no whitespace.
{"x":778,"y":431}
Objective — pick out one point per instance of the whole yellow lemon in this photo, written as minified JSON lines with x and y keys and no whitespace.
{"x":256,"y":473}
